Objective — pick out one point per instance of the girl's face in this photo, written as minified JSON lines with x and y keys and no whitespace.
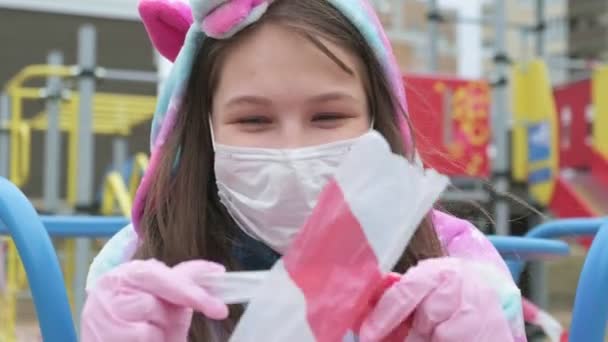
{"x":276,"y":89}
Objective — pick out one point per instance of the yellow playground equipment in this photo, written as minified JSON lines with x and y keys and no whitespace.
{"x":117,"y":193}
{"x":535,"y":142}
{"x":600,"y":137}
{"x":113,"y":115}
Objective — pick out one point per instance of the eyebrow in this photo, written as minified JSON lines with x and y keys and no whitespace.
{"x":249,"y":99}
{"x":261,"y":100}
{"x":331,"y":96}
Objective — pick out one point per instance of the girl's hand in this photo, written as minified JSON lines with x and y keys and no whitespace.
{"x":149,"y":301}
{"x":439,"y":300}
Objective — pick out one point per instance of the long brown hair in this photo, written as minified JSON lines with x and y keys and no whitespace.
{"x":183,"y":218}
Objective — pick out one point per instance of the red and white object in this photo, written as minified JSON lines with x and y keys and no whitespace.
{"x":362,"y":223}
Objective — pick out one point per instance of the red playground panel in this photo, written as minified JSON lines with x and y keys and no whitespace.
{"x":573,"y":104}
{"x":582,"y":188}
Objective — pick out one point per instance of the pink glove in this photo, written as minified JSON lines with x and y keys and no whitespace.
{"x":439,"y":300}
{"x":148,"y":301}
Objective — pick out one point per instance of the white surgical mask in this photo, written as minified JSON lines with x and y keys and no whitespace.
{"x":270,"y":193}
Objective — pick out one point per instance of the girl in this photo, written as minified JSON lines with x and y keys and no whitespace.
{"x":255,"y":81}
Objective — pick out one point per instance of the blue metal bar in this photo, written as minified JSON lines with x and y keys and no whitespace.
{"x":559,"y":229}
{"x":79,"y":226}
{"x":590,"y":312}
{"x":568,"y":228}
{"x":524,"y":248}
{"x":84,"y":226}
{"x":40,"y":262}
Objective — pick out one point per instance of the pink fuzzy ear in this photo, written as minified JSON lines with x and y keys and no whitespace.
{"x":167,"y":22}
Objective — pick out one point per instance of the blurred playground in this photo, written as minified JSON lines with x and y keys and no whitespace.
{"x":521,"y":150}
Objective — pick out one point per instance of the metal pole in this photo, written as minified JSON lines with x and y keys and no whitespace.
{"x":87,"y":46}
{"x":398,"y":22}
{"x":538,"y":284}
{"x":120,"y":150}
{"x":52,"y":156}
{"x":433,"y":18}
{"x":540,"y":28}
{"x":127,"y":75}
{"x":5,"y":114}
{"x":500,"y":122}
{"x":537,"y":279}
{"x":524,"y":53}
{"x":86,"y":88}
{"x":538,"y":270}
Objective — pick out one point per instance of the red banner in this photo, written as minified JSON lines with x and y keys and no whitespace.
{"x":451,"y":121}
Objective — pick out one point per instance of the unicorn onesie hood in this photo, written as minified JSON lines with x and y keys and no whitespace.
{"x":176,"y":30}
{"x":221,"y":19}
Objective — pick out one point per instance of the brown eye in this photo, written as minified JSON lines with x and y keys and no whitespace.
{"x":254,"y":120}
{"x":328,"y":117}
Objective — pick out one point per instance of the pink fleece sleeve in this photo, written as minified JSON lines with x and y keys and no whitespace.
{"x":462,"y":239}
